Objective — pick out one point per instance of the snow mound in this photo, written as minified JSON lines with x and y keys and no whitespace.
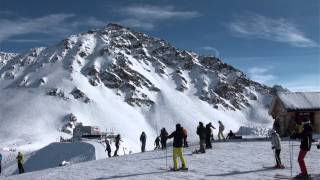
{"x":55,"y":153}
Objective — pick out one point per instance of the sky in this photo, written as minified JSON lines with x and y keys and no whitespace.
{"x":272,"y":41}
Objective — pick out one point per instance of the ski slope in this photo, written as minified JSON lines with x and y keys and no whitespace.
{"x":230,"y":160}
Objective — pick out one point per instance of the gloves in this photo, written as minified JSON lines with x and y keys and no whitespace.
{"x":318,"y":146}
{"x":272,"y":147}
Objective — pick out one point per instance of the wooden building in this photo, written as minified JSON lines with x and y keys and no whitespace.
{"x":287,"y":107}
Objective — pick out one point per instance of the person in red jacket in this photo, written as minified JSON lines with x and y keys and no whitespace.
{"x":305,"y":146}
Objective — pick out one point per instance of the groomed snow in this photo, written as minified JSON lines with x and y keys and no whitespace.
{"x":230,"y":160}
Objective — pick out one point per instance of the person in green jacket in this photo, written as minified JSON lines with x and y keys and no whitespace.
{"x":20,"y":162}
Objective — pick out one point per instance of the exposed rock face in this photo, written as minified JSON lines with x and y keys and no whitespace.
{"x":124,"y":60}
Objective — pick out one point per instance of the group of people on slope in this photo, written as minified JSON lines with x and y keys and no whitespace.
{"x":117,"y":140}
{"x":303,"y":131}
{"x":162,"y":139}
{"x":206,"y":136}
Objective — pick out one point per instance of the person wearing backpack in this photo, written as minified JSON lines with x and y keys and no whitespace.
{"x":178,"y":137}
{"x":306,"y":141}
{"x":221,"y":129}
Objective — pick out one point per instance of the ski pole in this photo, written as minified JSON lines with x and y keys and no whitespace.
{"x":290,"y":150}
{"x":166,"y":159}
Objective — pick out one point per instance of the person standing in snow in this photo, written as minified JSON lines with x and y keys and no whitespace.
{"x":305,"y":146}
{"x":221,"y":129}
{"x":201,"y":131}
{"x":117,"y":142}
{"x":0,"y":162}
{"x":208,"y":135}
{"x":143,"y":139}
{"x":108,"y":147}
{"x":163,"y":138}
{"x":185,"y":136}
{"x":178,"y":137}
{"x":276,"y":146}
{"x":20,"y":162}
{"x":157,"y":143}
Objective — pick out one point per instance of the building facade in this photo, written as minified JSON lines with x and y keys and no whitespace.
{"x":287,"y":107}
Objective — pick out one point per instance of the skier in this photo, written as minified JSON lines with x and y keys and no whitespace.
{"x":306,"y":142}
{"x":201,"y":131}
{"x":185,"y":136}
{"x":163,"y":137}
{"x":208,"y":135}
{"x":157,"y":143}
{"x":0,"y":162}
{"x":221,"y":129}
{"x":276,"y":146}
{"x":178,"y":136}
{"x":230,"y":135}
{"x":20,"y":162}
{"x":117,"y":142}
{"x":108,"y":147}
{"x":143,"y":139}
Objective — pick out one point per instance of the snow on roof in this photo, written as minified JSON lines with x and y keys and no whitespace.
{"x":300,"y":100}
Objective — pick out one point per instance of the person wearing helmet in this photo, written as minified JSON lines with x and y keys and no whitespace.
{"x":178,"y":136}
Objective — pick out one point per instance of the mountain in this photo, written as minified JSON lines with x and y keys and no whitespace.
{"x":122,"y":81}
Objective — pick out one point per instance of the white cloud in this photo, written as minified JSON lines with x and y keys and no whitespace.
{"x":208,"y":50}
{"x":279,"y":30}
{"x":306,"y":82}
{"x":54,"y":24}
{"x":147,"y":17}
{"x":261,"y":75}
{"x":159,"y":12}
{"x":137,"y":24}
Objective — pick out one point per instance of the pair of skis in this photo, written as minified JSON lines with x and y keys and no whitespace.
{"x":310,"y":177}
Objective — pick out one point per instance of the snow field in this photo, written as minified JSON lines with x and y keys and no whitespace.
{"x":230,"y":160}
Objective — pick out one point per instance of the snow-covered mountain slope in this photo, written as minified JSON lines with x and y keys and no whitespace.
{"x":242,"y":160}
{"x":124,"y":81}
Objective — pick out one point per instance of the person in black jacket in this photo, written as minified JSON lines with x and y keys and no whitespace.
{"x":117,"y":142}
{"x":201,"y":131}
{"x":157,"y":143}
{"x":177,"y":136}
{"x":143,"y":139}
{"x":108,"y":147}
{"x":208,"y":135}
{"x":163,"y":138}
{"x":305,"y":146}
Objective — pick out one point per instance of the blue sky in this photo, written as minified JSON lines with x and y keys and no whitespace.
{"x":274,"y":42}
